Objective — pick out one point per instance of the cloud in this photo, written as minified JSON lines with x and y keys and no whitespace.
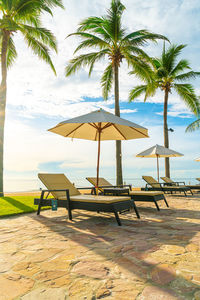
{"x":36,"y":96}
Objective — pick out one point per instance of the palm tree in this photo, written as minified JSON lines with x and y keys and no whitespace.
{"x":168,"y":74}
{"x":24,"y":17}
{"x":109,"y":38}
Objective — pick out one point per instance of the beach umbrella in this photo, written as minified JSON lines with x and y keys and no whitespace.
{"x":98,"y":126}
{"x":197,"y":159}
{"x":159,"y":151}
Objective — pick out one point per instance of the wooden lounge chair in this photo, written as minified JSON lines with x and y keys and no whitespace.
{"x":167,"y":180}
{"x":154,"y":185}
{"x":66,"y":195}
{"x":142,"y":196}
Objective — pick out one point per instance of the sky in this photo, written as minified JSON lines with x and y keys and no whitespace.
{"x":38,"y":100}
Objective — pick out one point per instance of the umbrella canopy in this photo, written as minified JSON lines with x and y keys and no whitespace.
{"x":197,"y":159}
{"x":159,"y":151}
{"x":98,"y":126}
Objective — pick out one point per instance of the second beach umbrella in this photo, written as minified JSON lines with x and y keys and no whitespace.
{"x":158,"y":151}
{"x":98,"y":126}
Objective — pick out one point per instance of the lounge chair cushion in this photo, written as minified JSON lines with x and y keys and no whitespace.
{"x":145,"y":193}
{"x":97,"y":199}
{"x":58,"y":182}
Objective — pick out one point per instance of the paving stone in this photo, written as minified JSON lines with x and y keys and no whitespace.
{"x":13,"y":286}
{"x":163,"y":274}
{"x":102,"y":293}
{"x":93,"y":269}
{"x":83,"y":289}
{"x":157,"y":293}
{"x":173,"y":249}
{"x":44,"y":294}
{"x":43,"y":255}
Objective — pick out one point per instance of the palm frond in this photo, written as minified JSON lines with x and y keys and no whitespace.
{"x":11,"y":53}
{"x":90,"y":23}
{"x":112,"y":23}
{"x":97,"y":58}
{"x":107,"y":81}
{"x":193,"y":126}
{"x":135,"y":34}
{"x":77,"y":63}
{"x":90,"y":41}
{"x":136,"y":92}
{"x":39,"y":49}
{"x":170,"y":55}
{"x":181,"y":66}
{"x":140,"y":68}
{"x":187,"y":76}
{"x":132,"y":50}
{"x":187,"y":94}
{"x":39,"y":33}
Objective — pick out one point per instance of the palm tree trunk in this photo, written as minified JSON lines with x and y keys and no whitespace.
{"x":166,"y":137}
{"x":119,"y":178}
{"x":3,"y":89}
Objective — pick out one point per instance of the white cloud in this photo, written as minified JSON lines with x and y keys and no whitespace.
{"x":33,"y":91}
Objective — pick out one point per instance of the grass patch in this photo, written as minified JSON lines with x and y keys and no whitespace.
{"x":10,"y":206}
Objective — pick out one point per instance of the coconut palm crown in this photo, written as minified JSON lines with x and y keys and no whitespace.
{"x":25,"y":17}
{"x":109,"y":38}
{"x":169,"y":74}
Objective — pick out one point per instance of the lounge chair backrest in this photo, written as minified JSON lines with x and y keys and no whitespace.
{"x":150,"y":180}
{"x":58,"y":182}
{"x":167,"y":179}
{"x":102,"y":181}
{"x":198,"y":178}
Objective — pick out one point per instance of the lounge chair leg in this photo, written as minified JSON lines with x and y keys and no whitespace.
{"x":191,"y":192}
{"x":40,"y":202}
{"x":135,"y":209}
{"x":117,"y":218}
{"x":166,"y":202}
{"x":185,"y":193}
{"x":157,"y":205}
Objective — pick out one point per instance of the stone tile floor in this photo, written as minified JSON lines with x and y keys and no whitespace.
{"x":47,"y":257}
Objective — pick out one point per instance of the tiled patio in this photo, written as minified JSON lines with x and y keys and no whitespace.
{"x":155,"y":258}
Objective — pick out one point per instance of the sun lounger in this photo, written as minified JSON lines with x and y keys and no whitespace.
{"x":66,"y":195}
{"x":154,"y":185}
{"x":180,"y":183}
{"x":103,"y":183}
{"x":142,"y":196}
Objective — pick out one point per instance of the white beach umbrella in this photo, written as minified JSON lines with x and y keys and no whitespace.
{"x":159,"y":151}
{"x":98,"y":126}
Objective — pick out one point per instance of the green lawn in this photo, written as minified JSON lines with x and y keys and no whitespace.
{"x":10,"y":206}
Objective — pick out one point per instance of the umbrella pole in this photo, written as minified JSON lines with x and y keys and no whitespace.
{"x":98,"y":159}
{"x":157,"y":167}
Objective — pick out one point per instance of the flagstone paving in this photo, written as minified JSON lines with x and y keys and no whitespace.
{"x":154,"y":258}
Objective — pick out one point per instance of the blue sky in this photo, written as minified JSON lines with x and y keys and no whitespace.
{"x":37,"y":100}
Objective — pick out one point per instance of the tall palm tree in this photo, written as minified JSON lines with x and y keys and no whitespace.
{"x":168,"y":74}
{"x":25,"y":17}
{"x":109,"y":38}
